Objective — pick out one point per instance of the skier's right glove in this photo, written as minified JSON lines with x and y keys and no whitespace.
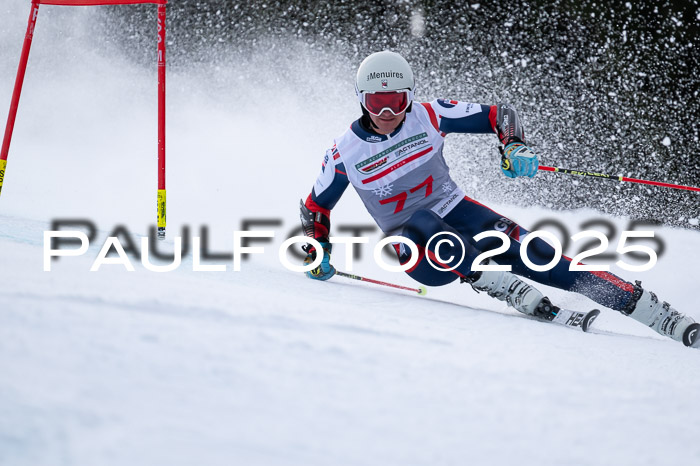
{"x":323,"y":271}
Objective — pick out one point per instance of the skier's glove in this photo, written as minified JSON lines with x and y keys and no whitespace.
{"x":323,"y":271}
{"x":518,"y":160}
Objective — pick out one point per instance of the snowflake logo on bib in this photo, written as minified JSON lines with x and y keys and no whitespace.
{"x":383,"y":190}
{"x":447,"y":187}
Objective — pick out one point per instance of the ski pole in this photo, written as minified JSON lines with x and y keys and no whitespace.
{"x":160,"y":196}
{"x":19,"y":80}
{"x":420,"y":290}
{"x":615,"y":178}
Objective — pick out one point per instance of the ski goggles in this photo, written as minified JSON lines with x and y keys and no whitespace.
{"x":395,"y":101}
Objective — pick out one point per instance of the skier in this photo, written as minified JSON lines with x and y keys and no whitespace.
{"x":392,"y":156}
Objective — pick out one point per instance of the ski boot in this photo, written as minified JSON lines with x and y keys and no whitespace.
{"x":507,"y":287}
{"x":645,"y":307}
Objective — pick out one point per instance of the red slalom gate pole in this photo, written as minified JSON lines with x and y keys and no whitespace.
{"x":161,"y":122}
{"x":421,"y":290}
{"x":615,"y":178}
{"x":14,"y":103}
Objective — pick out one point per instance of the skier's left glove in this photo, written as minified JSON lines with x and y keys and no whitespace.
{"x":323,"y":271}
{"x":518,"y":160}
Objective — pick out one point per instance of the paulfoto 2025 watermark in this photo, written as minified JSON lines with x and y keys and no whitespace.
{"x":72,"y":243}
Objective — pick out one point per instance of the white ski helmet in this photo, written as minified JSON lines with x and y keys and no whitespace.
{"x":384,"y":72}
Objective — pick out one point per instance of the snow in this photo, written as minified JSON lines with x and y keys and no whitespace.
{"x":263,"y":366}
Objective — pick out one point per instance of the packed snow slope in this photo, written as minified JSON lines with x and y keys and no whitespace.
{"x":263,"y":366}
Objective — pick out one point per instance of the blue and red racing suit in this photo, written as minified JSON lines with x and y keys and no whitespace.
{"x":405,"y":184}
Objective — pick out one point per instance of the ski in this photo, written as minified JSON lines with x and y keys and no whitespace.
{"x":582,"y":320}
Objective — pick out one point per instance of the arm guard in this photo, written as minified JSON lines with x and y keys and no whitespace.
{"x":315,"y":220}
{"x":508,"y":125}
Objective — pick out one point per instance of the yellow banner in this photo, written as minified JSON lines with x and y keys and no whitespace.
{"x":161,"y":208}
{"x":3,"y":164}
